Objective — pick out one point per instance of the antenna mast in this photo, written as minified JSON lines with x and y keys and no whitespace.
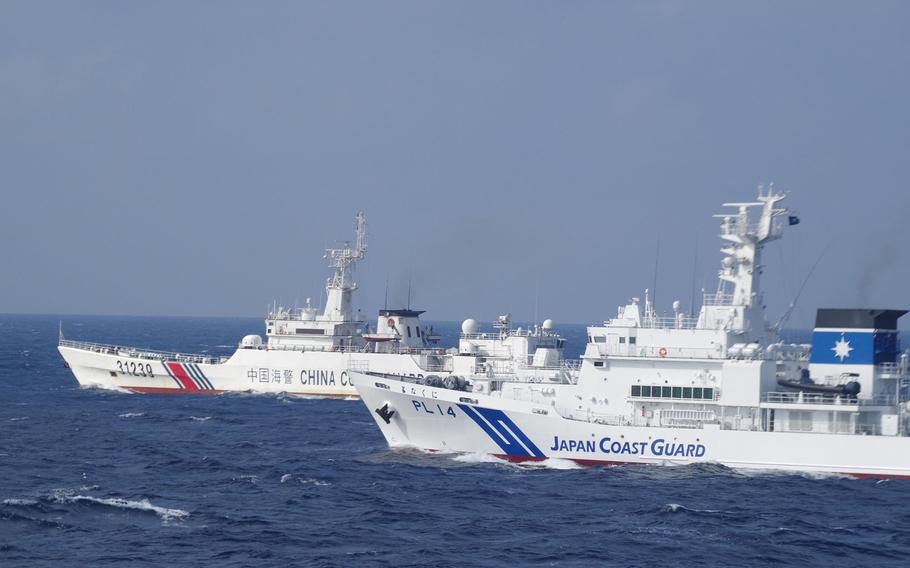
{"x":341,"y":285}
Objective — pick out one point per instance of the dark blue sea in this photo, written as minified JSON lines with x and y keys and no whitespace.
{"x":96,"y":478}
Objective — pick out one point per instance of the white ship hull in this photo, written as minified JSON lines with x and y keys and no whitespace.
{"x":437,"y":419}
{"x":262,"y":371}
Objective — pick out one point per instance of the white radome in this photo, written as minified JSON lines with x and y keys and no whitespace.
{"x":469,"y":326}
{"x":547,"y":324}
{"x":251,"y":342}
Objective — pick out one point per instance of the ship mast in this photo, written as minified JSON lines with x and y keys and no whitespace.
{"x":742,"y":310}
{"x":340,"y":286}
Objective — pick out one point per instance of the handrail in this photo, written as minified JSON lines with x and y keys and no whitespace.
{"x":779,"y":397}
{"x":655,"y":351}
{"x":358,"y":349}
{"x":133,"y":352}
{"x":496,"y":335}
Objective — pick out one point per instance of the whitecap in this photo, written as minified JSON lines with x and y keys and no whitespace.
{"x":200,"y":418}
{"x":286,"y":477}
{"x":553,"y":463}
{"x":19,"y":502}
{"x":18,"y":419}
{"x":166,"y":514}
{"x":316,"y":482}
{"x":813,"y":475}
{"x":479,"y":458}
{"x":676,"y":507}
{"x":131,"y":414}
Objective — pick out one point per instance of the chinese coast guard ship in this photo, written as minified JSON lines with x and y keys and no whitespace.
{"x":720,"y":387}
{"x":311,"y":353}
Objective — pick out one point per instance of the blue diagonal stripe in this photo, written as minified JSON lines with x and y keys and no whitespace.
{"x":493,"y":426}
{"x":194,"y":371}
{"x":204,"y":378}
{"x":498,"y":416}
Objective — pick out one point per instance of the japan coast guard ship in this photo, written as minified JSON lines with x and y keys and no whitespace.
{"x":718,"y":388}
{"x":308,"y":353}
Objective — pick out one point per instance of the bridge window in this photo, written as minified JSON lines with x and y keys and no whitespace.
{"x":677,"y":393}
{"x":632,"y":340}
{"x":622,"y":339}
{"x":409,"y":331}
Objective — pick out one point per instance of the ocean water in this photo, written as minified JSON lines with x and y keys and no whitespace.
{"x":95,"y":478}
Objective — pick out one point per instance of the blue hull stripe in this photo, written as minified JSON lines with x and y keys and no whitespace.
{"x":194,"y":371}
{"x":204,"y":378}
{"x":502,"y":430}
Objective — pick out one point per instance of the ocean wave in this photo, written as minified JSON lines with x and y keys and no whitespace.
{"x":478,"y":458}
{"x":301,"y":396}
{"x":131,"y":415}
{"x":813,"y":475}
{"x":18,"y":418}
{"x":307,"y":481}
{"x":105,"y":389}
{"x":250,"y":394}
{"x":14,"y":502}
{"x":549,"y":463}
{"x":552,"y":463}
{"x":200,"y":418}
{"x":143,"y":505}
{"x":677,"y":508}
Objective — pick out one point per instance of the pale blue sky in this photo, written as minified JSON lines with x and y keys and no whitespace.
{"x":194,"y":158}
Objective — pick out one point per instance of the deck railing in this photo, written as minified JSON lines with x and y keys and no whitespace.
{"x":778,"y":397}
{"x":891,"y":370}
{"x":135,"y":353}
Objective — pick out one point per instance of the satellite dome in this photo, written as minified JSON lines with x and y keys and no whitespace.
{"x":547,"y":324}
{"x":251,"y":342}
{"x":469,"y":326}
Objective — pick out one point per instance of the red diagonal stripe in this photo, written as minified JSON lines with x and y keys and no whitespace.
{"x":182,"y":376}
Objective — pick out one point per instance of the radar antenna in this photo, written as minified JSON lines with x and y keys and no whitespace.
{"x":344,"y":259}
{"x":340,"y":285}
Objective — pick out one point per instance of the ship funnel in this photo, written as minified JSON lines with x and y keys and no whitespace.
{"x":855,"y":342}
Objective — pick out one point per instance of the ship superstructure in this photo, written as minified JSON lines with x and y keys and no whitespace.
{"x":307,"y":351}
{"x":718,"y":387}
{"x":336,"y":327}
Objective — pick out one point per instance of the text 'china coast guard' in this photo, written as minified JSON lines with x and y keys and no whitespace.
{"x":675,"y":389}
